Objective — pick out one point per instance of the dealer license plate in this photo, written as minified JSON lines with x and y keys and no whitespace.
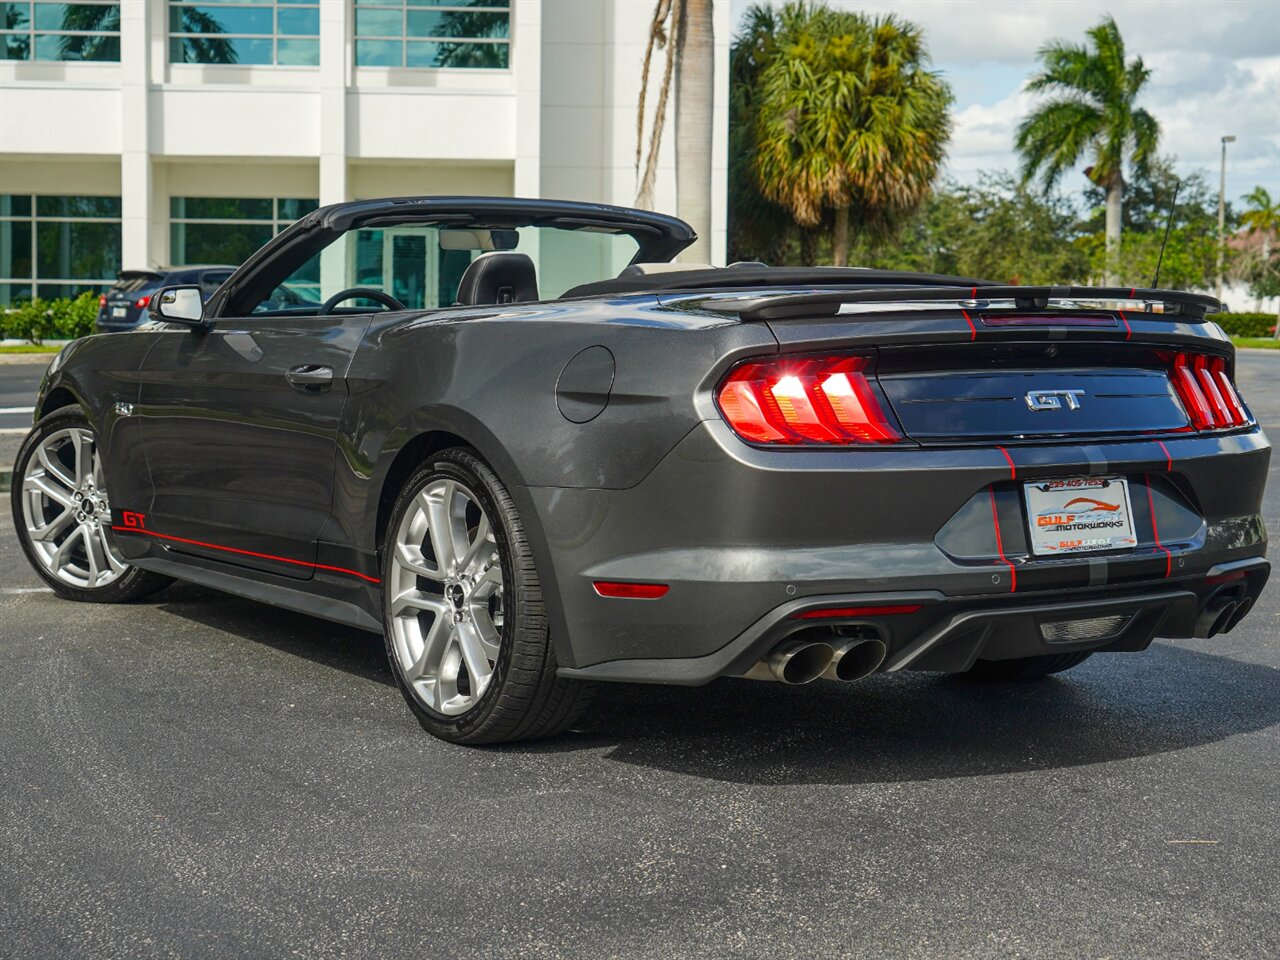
{"x":1079,"y":515}
{"x":119,"y":312}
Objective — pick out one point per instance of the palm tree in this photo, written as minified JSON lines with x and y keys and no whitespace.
{"x":758,"y":228}
{"x":1092,"y":110}
{"x":685,"y":29}
{"x":849,"y":118}
{"x":1261,"y":218}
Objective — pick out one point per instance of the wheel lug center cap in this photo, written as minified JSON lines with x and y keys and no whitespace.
{"x":456,"y":595}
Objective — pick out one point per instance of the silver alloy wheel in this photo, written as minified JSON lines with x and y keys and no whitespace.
{"x":66,"y":511}
{"x":445,"y":597}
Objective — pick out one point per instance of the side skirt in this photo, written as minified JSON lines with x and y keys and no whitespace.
{"x":277,"y":594}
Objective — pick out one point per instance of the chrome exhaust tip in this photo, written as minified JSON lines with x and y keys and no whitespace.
{"x":856,"y":659}
{"x":1223,"y":619}
{"x":1241,"y":611}
{"x":793,"y":661}
{"x":1215,"y":616}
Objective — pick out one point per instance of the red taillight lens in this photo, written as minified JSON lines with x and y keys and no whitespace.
{"x":1206,"y":392}
{"x":141,"y":302}
{"x":806,"y":400}
{"x":102,"y":300}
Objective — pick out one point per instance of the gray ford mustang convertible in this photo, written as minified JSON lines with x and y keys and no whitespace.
{"x":535,"y":453}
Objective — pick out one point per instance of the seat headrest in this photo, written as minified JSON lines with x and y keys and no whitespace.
{"x":499,"y":277}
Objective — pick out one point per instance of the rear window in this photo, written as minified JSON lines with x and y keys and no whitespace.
{"x":132,"y":283}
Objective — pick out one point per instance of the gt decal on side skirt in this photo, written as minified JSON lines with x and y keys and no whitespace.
{"x":245,"y":553}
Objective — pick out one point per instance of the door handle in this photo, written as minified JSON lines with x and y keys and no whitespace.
{"x":310,"y":375}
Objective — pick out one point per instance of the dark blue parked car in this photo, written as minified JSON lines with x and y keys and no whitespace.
{"x":124,"y":306}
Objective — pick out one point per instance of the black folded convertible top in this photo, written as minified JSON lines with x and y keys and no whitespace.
{"x":832,"y":287}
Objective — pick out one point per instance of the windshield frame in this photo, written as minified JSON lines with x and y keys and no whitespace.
{"x":658,"y":237}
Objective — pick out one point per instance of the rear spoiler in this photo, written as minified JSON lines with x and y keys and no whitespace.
{"x":829,"y":302}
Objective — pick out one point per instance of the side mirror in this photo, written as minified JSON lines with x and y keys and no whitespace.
{"x":179,"y":305}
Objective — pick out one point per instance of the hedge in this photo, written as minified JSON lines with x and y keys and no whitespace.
{"x":62,"y":319}
{"x":1247,"y":324}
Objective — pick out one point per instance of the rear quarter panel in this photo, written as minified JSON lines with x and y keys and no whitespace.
{"x":489,"y":375}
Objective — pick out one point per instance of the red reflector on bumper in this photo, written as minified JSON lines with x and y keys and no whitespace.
{"x":1225,"y":577}
{"x":630,"y":591}
{"x":846,"y":613}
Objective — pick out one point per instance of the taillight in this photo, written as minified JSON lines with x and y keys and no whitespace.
{"x":806,"y":400}
{"x":102,"y":300}
{"x":141,"y":302}
{"x":1206,"y":392}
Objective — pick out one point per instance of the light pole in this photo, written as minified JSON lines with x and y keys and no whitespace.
{"x":1222,"y":211}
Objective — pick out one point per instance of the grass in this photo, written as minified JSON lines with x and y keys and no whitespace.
{"x":32,"y":348}
{"x":1264,"y":343}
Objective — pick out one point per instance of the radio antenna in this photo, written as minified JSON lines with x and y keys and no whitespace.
{"x":1173,"y":205}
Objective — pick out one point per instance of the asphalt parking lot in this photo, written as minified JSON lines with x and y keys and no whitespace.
{"x":199,"y":775}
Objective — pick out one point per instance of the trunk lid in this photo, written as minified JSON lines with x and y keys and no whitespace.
{"x":1030,"y":391}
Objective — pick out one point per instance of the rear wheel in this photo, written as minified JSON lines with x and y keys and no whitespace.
{"x":466,"y":628}
{"x":62,"y":513}
{"x":1028,"y":668}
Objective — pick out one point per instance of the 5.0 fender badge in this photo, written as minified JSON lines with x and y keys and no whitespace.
{"x":1054,"y":399}
{"x":124,"y":409}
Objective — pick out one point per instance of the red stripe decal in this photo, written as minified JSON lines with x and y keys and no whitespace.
{"x":973,"y":331}
{"x":1155,"y":531}
{"x":973,"y":294}
{"x":248,"y":553}
{"x":1127,"y":332}
{"x":1013,"y":471}
{"x":995,"y":522}
{"x":1132,"y":291}
{"x":1168,"y":457}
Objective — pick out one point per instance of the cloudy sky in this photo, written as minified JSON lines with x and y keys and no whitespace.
{"x":1215,"y":70}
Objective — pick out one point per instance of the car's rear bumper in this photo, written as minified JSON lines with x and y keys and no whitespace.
{"x":742,"y":536}
{"x":948,"y":634}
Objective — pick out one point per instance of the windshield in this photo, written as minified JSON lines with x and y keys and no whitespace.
{"x":421,"y":265}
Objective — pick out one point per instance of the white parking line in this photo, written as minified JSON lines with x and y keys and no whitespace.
{"x":12,"y":590}
{"x":14,"y":431}
{"x":17,"y":410}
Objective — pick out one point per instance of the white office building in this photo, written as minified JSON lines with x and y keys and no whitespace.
{"x":139,"y":133}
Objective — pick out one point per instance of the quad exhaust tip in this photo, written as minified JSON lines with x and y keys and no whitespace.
{"x":803,"y":661}
{"x":794,"y":661}
{"x":855,"y":659}
{"x":1220,"y":614}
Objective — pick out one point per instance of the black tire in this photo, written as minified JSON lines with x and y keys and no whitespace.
{"x":525,"y":699}
{"x":1028,"y":668}
{"x":133,"y":584}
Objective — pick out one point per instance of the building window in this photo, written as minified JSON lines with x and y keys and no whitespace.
{"x":57,"y":246}
{"x":87,"y":30}
{"x":224,"y":230}
{"x":250,"y":32}
{"x":433,"y":33}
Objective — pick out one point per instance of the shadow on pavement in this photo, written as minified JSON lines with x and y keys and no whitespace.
{"x":329,"y":644}
{"x":912,"y":727}
{"x":899,"y":728}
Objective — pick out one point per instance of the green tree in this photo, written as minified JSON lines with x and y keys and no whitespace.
{"x":758,"y":229}
{"x":1091,"y":111}
{"x":850,"y":119}
{"x":996,"y":229}
{"x":1261,"y":261}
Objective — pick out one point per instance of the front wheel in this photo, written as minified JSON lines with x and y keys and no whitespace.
{"x":466,"y":628}
{"x":62,"y":513}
